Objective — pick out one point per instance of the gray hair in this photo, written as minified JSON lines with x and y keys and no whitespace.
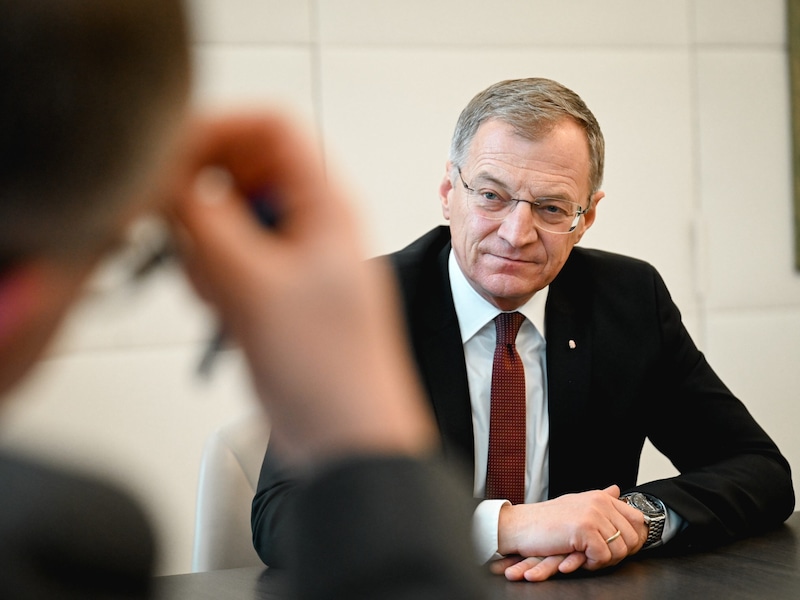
{"x":532,"y":106}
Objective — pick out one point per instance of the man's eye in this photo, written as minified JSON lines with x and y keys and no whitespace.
{"x":491,"y":196}
{"x":551,"y":208}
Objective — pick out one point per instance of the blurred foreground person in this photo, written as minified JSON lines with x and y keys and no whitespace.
{"x":94,"y":133}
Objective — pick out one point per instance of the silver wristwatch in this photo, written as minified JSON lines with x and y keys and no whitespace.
{"x":654,"y":515}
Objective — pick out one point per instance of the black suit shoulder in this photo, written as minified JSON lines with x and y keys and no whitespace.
{"x":68,"y":535}
{"x":418,"y":266}
{"x":614,"y":291}
{"x":607,"y":269}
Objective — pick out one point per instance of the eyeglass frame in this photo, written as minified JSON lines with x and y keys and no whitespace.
{"x":578,"y":213}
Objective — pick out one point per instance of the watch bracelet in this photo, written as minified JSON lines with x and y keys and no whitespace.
{"x":655,"y":527}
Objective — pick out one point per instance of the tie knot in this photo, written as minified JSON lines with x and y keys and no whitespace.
{"x":507,"y":326}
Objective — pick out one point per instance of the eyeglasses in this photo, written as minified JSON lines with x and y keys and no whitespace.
{"x":145,"y":246}
{"x":553,"y":215}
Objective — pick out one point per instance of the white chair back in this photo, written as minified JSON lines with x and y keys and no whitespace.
{"x":229,"y":473}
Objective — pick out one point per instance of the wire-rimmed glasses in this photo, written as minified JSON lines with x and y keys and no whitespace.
{"x":554,"y":215}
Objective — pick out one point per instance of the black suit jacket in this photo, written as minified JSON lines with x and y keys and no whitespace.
{"x":634,"y":374}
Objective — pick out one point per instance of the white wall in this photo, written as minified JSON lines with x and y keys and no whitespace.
{"x":692,"y":96}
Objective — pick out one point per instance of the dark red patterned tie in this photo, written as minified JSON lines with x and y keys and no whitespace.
{"x":505,"y":476}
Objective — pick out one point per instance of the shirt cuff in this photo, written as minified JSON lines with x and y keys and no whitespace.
{"x":672,"y":525}
{"x":485,"y":524}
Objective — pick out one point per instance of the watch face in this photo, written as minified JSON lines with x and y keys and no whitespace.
{"x":654,"y":515}
{"x":644,"y":504}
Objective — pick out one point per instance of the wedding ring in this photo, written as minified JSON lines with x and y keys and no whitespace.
{"x":613,"y":537}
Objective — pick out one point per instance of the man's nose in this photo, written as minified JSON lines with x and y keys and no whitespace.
{"x":518,"y":227}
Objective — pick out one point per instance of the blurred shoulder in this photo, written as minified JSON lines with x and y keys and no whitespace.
{"x":62,"y":529}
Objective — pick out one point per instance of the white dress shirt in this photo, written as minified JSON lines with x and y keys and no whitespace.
{"x":476,"y":323}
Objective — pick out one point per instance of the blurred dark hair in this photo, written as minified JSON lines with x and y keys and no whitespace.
{"x":86,"y":86}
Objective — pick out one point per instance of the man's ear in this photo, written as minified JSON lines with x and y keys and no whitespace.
{"x":34,"y":296}
{"x":445,"y":188}
{"x":589,"y":218}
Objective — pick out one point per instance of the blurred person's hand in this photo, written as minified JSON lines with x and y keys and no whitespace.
{"x":320,"y":326}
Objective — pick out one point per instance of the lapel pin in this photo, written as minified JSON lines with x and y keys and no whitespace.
{"x":572,"y":345}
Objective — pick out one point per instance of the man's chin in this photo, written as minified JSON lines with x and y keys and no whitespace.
{"x":509,"y":295}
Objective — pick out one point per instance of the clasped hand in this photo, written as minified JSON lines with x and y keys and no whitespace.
{"x":567,"y":533}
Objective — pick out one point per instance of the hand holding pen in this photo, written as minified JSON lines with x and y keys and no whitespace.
{"x":319,"y":326}
{"x":264,"y":206}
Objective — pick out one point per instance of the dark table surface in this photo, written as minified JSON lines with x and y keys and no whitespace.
{"x":762,"y":567}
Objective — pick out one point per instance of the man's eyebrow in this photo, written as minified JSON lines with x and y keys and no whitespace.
{"x":484,"y":178}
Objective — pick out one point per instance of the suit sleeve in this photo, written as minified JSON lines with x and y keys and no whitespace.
{"x":277,"y":488}
{"x":383,"y":528}
{"x":733,"y":480}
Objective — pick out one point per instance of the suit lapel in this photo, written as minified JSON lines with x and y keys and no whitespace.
{"x":441,"y":359}
{"x":569,"y":357}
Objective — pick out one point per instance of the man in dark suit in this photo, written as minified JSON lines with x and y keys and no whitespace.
{"x":94,"y":133}
{"x":607,"y":361}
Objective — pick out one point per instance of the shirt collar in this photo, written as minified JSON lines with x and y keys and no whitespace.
{"x":473,"y":311}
